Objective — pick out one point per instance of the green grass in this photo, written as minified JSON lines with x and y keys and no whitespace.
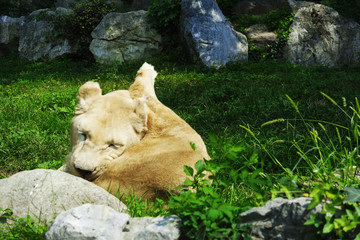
{"x":227,"y":107}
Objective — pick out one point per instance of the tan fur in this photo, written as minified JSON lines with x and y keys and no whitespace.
{"x":153,"y":143}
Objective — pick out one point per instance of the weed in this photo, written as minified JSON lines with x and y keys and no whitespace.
{"x":21,"y":228}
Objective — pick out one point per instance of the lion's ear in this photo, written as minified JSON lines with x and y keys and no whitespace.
{"x":141,"y":111}
{"x":144,"y":82}
{"x":87,"y":94}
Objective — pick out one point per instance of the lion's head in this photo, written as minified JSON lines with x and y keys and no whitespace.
{"x":104,"y":126}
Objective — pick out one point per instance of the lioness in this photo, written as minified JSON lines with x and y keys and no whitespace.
{"x":127,"y":141}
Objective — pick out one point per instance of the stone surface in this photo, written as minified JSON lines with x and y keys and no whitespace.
{"x":320,"y":36}
{"x":88,"y":222}
{"x":296,"y":5}
{"x":166,"y":228}
{"x":122,"y":37}
{"x":43,"y":194}
{"x":259,"y":35}
{"x":101,"y":222}
{"x":10,"y":29}
{"x":209,"y":35}
{"x":38,"y":41}
{"x":256,"y":7}
{"x":281,"y":219}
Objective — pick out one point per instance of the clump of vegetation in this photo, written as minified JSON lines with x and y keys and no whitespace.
{"x":278,"y":21}
{"x":204,"y":212}
{"x":22,"y":228}
{"x":78,"y":26}
{"x":165,"y":17}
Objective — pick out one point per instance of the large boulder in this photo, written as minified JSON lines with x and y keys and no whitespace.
{"x":260,"y":36}
{"x":38,"y":39}
{"x":123,"y":37}
{"x":101,"y":222}
{"x":43,"y":194}
{"x":209,"y":35}
{"x":281,"y":219}
{"x":296,"y":5}
{"x":320,"y":36}
{"x":10,"y":29}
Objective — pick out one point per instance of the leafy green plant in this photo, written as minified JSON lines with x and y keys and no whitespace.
{"x":278,"y":21}
{"x":78,"y":27}
{"x":204,"y":212}
{"x":340,"y":214}
{"x":331,"y":152}
{"x":165,"y":14}
{"x":142,"y":207}
{"x":22,"y":228}
{"x":165,"y":17}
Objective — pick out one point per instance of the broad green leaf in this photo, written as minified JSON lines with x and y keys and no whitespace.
{"x":332,"y":194}
{"x":210,"y":191}
{"x":188,"y":182}
{"x":227,"y":210}
{"x":314,"y":202}
{"x":200,"y":166}
{"x":353,"y":194}
{"x":357,"y":208}
{"x":328,"y":227}
{"x":253,"y":158}
{"x":350,"y":214}
{"x":213,"y":214}
{"x":340,"y":222}
{"x":330,"y":208}
{"x":357,"y":237}
{"x":311,"y":220}
{"x":244,"y":174}
{"x":189,"y":171}
{"x":351,"y":226}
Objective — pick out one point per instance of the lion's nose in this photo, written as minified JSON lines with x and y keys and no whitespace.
{"x":83,"y":172}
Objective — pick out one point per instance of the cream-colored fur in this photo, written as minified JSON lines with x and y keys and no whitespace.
{"x":128,"y":141}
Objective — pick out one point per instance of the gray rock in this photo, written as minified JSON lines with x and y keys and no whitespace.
{"x":296,"y":5}
{"x":37,"y":40}
{"x":259,"y":35}
{"x":43,"y":194}
{"x":320,"y":36}
{"x":122,"y":37}
{"x":281,"y":219}
{"x":166,"y":228}
{"x":208,"y":34}
{"x":88,"y":222}
{"x":101,"y":222}
{"x":10,"y":28}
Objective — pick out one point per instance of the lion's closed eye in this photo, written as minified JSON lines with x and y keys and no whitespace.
{"x":83,"y":136}
{"x":115,"y":146}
